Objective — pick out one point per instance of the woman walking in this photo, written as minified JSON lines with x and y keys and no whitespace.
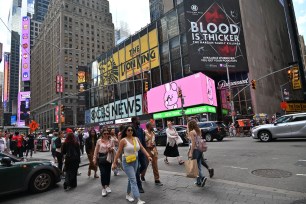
{"x":151,"y":149}
{"x":104,"y":147}
{"x":71,"y":151}
{"x":172,"y":148}
{"x":195,"y":153}
{"x":130,"y":145}
{"x":115,"y":141}
{"x":58,"y":149}
{"x":90,"y":144}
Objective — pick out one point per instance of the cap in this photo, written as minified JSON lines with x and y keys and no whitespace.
{"x":68,"y":130}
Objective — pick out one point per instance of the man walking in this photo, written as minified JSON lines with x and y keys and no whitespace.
{"x":142,"y":166}
{"x":19,"y":140}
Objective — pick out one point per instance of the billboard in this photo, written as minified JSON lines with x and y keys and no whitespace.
{"x":119,"y":109}
{"x":13,"y":119}
{"x":1,"y":47}
{"x":25,"y":49}
{"x":6,"y":86}
{"x":196,"y":89}
{"x":23,"y":111}
{"x":215,"y":36}
{"x":134,"y":57}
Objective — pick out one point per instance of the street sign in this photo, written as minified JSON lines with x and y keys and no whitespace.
{"x":283,"y":105}
{"x":33,"y":125}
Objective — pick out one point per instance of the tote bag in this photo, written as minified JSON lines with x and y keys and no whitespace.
{"x":191,"y":167}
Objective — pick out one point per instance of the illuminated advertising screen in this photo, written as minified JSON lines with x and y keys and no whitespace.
{"x":23,"y":115}
{"x":133,"y":58}
{"x":215,"y":36}
{"x":6,"y":77}
{"x":196,"y":89}
{"x":25,"y":49}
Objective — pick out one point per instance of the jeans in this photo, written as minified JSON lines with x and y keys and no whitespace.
{"x":142,"y":166}
{"x":198,"y":156}
{"x":130,"y":170}
{"x":105,"y":170}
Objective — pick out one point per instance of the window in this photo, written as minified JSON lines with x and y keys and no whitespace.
{"x":164,"y":58}
{"x":176,"y":69}
{"x":284,"y":119}
{"x":166,"y":75}
{"x":155,"y":73}
{"x":175,"y":48}
{"x":172,"y":25}
{"x":299,"y":118}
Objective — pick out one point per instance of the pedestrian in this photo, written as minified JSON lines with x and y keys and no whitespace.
{"x":171,"y":147}
{"x":195,"y":153}
{"x":58,"y":151}
{"x":151,"y":149}
{"x":30,"y":145}
{"x":53,"y":147}
{"x":103,"y":148}
{"x":71,"y":151}
{"x":142,"y":162}
{"x":115,"y":141}
{"x":90,"y":144}
{"x":81,"y":139}
{"x":19,"y":144}
{"x":13,"y":145}
{"x":3,"y":146}
{"x":130,"y":145}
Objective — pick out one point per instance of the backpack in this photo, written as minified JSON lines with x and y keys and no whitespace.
{"x":201,"y":144}
{"x":57,"y":143}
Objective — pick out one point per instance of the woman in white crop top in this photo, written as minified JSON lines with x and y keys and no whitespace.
{"x":126,"y":146}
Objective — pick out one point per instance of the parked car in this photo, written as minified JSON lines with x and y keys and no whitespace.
{"x":21,"y":175}
{"x":161,"y":137}
{"x":287,"y":126}
{"x":213,"y":130}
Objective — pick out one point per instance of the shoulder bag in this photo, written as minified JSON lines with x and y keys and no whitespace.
{"x":131,"y":158}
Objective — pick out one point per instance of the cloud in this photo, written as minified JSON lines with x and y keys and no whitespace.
{"x":299,"y":1}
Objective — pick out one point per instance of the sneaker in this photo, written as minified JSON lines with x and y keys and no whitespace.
{"x":211,"y":172}
{"x":129,"y":198}
{"x":140,"y":202}
{"x":141,"y":190}
{"x":203,"y":181}
{"x":197,"y":184}
{"x":104,"y":193}
{"x":108,"y":190}
{"x":158,"y":183}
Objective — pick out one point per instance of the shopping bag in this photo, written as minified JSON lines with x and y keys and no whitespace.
{"x":178,"y":140}
{"x":191,"y":167}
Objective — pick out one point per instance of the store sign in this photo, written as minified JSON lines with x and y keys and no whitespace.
{"x":196,"y":89}
{"x":117,"y":110}
{"x":25,"y":49}
{"x":296,"y":107}
{"x":125,"y":120}
{"x":188,"y":111}
{"x":23,"y":109}
{"x":111,"y":122}
{"x":215,"y":35}
{"x":133,"y":58}
{"x":223,"y":84}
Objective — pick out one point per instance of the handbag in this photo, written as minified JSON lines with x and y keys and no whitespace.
{"x":102,"y":158}
{"x":179,"y":140}
{"x":191,"y":167}
{"x":131,"y":158}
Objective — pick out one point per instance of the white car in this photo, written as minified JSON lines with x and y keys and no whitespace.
{"x":287,"y":126}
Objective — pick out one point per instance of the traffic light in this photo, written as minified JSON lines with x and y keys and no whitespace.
{"x":253,"y":83}
{"x":62,"y":109}
{"x":295,"y":75}
{"x":228,"y":98}
{"x":146,"y":86}
{"x":289,"y":74}
{"x":180,"y":93}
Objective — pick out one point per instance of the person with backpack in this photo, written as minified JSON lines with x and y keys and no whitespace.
{"x":71,"y":152}
{"x":198,"y":146}
{"x":53,"y":147}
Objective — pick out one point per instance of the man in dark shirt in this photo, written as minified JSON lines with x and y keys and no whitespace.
{"x":141,"y":157}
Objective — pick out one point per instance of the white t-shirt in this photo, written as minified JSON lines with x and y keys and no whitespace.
{"x":2,"y":144}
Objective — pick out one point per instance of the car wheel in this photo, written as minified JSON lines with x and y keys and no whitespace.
{"x":208,"y":137}
{"x":41,"y":181}
{"x":265,"y":136}
{"x":220,"y":139}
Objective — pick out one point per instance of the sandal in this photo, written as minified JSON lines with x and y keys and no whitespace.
{"x":166,"y":161}
{"x":181,"y":162}
{"x":96,"y":176}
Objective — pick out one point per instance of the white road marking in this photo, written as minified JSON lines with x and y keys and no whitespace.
{"x":301,"y":174}
{"x":235,"y":167}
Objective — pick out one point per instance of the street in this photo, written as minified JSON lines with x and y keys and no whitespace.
{"x":246,"y":171}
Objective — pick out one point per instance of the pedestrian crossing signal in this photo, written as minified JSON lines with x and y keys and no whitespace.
{"x":253,"y":84}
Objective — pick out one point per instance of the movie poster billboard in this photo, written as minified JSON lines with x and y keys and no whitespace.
{"x":215,"y":36}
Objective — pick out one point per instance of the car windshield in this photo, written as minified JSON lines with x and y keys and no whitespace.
{"x":283,"y":119}
{"x":9,"y":155}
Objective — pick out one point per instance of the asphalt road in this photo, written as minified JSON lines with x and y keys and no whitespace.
{"x":233,"y":159}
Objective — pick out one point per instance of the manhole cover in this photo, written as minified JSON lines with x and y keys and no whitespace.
{"x":272,"y":173}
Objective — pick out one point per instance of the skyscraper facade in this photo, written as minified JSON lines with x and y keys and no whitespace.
{"x":73,"y":34}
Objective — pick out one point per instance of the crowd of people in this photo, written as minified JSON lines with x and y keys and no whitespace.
{"x":131,"y":149}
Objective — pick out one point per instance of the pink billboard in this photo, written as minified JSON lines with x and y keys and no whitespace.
{"x":196,"y":89}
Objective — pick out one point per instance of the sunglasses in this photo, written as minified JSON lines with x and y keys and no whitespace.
{"x":105,"y":133}
{"x":129,"y":130}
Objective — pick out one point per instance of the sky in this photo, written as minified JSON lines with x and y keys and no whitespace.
{"x":136,"y":18}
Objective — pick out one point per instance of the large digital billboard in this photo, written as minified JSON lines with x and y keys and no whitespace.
{"x":215,"y":36}
{"x":136,"y":56}
{"x":25,"y":49}
{"x":23,"y":111}
{"x":196,"y":89}
{"x":6,"y":86}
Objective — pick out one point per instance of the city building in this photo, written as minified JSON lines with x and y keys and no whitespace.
{"x":73,"y":34}
{"x":303,"y":51}
{"x":159,"y":7}
{"x":195,"y":43}
{"x":121,"y":33}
